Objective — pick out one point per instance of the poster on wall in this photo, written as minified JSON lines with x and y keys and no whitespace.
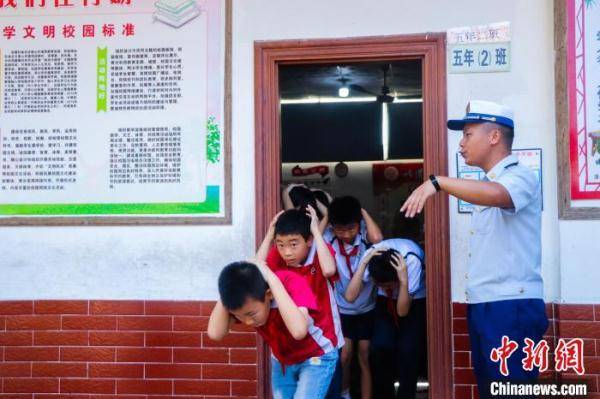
{"x":114,"y":111}
{"x":530,"y":157}
{"x":583,"y":75}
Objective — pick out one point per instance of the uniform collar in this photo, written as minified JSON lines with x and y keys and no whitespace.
{"x":354,"y":243}
{"x":311,"y":255}
{"x":497,"y":170}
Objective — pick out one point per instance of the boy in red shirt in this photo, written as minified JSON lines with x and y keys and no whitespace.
{"x":281,"y":307}
{"x":300,"y":248}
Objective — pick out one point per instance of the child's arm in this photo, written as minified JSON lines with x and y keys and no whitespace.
{"x":263,"y":250}
{"x":285,"y":196}
{"x":374,"y":234}
{"x":404,"y":300}
{"x":356,"y":283}
{"x":326,"y":260}
{"x":219,"y":322}
{"x":325,"y":219}
{"x":294,"y":317}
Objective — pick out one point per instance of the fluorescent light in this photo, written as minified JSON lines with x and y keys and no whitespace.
{"x":408,"y":100}
{"x":344,"y":91}
{"x":317,"y":100}
{"x":385,"y":130}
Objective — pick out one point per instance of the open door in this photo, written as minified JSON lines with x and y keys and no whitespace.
{"x":428,"y":53}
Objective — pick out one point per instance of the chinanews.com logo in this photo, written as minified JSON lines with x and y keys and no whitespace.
{"x":567,"y":356}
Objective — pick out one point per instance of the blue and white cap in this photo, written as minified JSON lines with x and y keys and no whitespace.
{"x":479,"y":111}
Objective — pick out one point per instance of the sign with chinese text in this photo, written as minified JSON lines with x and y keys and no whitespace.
{"x":484,"y":48}
{"x":113,"y":109}
{"x":583,"y":74}
{"x":530,"y":157}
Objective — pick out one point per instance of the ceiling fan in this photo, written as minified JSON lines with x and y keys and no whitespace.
{"x":384,"y":95}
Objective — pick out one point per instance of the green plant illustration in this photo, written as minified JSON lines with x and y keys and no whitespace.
{"x":213,"y":141}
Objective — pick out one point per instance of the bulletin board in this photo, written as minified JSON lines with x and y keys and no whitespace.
{"x":115,"y":112}
{"x":577,"y":111}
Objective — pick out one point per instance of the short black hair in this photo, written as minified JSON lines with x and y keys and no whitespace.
{"x":411,"y":228}
{"x":302,"y":197}
{"x":381,"y":269}
{"x":321,"y":196}
{"x":508,"y":133}
{"x":239,"y":281}
{"x":293,"y":221}
{"x":344,"y":211}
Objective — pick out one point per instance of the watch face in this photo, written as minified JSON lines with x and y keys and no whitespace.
{"x":341,"y":169}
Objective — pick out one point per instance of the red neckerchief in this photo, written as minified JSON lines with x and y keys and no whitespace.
{"x":391,"y":305}
{"x":353,"y":252}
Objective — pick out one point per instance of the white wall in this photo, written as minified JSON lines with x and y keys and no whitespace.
{"x":579,"y":260}
{"x":182,"y":262}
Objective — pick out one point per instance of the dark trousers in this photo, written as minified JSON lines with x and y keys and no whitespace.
{"x":397,"y":350}
{"x":488,"y":322}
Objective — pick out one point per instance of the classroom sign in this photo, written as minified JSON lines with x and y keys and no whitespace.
{"x":481,"y":48}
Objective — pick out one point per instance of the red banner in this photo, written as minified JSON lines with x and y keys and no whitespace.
{"x":323,"y":170}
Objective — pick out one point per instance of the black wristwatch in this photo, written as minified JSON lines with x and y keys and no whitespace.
{"x":435,"y":183}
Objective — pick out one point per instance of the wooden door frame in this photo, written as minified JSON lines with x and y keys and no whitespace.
{"x":431,"y":50}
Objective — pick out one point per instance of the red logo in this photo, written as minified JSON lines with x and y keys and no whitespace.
{"x":502,"y":353}
{"x":567,"y":355}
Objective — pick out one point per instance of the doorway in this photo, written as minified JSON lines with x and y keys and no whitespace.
{"x":346,"y":58}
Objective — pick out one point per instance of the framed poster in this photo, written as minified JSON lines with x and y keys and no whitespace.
{"x":115,"y":112}
{"x":577,"y":107}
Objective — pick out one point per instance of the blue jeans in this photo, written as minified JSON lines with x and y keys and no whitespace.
{"x":335,"y":388}
{"x":307,"y":380}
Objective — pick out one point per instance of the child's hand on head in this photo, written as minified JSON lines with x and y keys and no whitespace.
{"x":314,"y":219}
{"x":372,"y":252}
{"x":376,"y":251}
{"x":271,"y":230}
{"x":399,"y":264}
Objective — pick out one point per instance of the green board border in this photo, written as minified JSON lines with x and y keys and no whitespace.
{"x":209,"y":206}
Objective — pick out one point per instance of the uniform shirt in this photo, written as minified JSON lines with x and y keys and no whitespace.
{"x":284,"y":346}
{"x":414,"y":257}
{"x":366,"y":298}
{"x":326,"y":325}
{"x":505,"y":244}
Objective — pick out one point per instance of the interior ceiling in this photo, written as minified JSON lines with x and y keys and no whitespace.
{"x":303,"y":81}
